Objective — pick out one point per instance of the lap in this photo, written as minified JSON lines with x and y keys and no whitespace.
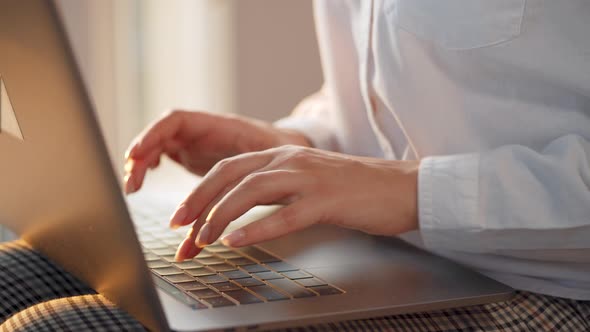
{"x":524,"y":312}
{"x":38,"y":295}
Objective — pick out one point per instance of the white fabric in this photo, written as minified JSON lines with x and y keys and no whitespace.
{"x":494,"y":98}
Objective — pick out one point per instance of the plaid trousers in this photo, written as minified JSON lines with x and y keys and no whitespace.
{"x":38,"y":295}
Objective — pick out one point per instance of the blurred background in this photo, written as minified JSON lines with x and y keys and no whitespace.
{"x":140,"y":58}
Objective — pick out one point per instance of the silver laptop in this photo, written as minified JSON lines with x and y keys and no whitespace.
{"x":58,"y":191}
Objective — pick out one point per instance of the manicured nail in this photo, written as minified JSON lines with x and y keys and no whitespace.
{"x":234,"y":238}
{"x":129,"y":165}
{"x":203,"y":237}
{"x":211,"y":213}
{"x":186,"y":250}
{"x":129,"y":185}
{"x":178,"y":217}
{"x":179,"y":256}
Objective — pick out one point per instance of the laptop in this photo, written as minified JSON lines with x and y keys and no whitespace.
{"x":59,"y":192}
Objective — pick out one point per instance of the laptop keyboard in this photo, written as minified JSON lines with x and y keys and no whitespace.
{"x":221,"y":276}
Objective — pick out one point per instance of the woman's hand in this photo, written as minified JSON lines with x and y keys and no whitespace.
{"x":198,"y":140}
{"x":316,"y":187}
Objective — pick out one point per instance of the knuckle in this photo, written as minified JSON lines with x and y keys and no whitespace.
{"x":298,"y":153}
{"x":293,"y":155}
{"x":251,"y":180}
{"x":224,"y":165}
{"x":172,"y":113}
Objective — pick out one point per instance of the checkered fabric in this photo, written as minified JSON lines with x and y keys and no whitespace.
{"x":37,"y":295}
{"x":525,"y":312}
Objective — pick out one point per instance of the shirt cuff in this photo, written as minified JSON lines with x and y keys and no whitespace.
{"x":319,"y":134}
{"x":447,"y":200}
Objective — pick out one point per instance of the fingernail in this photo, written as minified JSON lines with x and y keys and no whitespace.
{"x":190,"y":233}
{"x":129,"y":185}
{"x":129,"y":165}
{"x":178,"y":217}
{"x":211,"y":213}
{"x":179,"y":256}
{"x":203,"y":237}
{"x":186,"y":250}
{"x":234,"y":238}
{"x":192,"y":251}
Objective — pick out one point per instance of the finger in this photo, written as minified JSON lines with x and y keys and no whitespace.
{"x":155,"y":163}
{"x":136,"y":170}
{"x":255,"y":189}
{"x":189,"y":247}
{"x":162,"y":130}
{"x":288,"y":219}
{"x":224,"y":173}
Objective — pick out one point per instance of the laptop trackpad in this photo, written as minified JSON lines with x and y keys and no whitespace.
{"x":322,"y":246}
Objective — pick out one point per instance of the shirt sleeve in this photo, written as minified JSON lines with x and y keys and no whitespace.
{"x":313,"y":117}
{"x":509,"y":199}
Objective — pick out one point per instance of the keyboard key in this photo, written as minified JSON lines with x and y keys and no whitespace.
{"x":217,"y":248}
{"x":203,"y":254}
{"x":166,"y":234}
{"x":151,"y":257}
{"x":146,"y":237}
{"x":243,"y":296}
{"x":291,"y":288}
{"x":169,"y":258}
{"x":221,"y":267}
{"x":176,"y":278}
{"x":241,"y":261}
{"x":254,"y":268}
{"x":225,"y":286}
{"x":227,"y":254}
{"x":219,"y":301}
{"x":311,"y":282}
{"x":248,"y":282}
{"x":194,"y":304}
{"x":165,"y":271}
{"x":267,"y":275}
{"x":188,"y":265}
{"x":259,"y":255}
{"x":212,"y":279}
{"x":203,"y":293}
{"x":281,"y":266}
{"x":297,"y":274}
{"x":163,"y":252}
{"x":210,"y":260}
{"x":154,"y":245}
{"x":198,"y":272}
{"x":191,"y":285}
{"x":326,"y":290}
{"x":235,"y":274}
{"x":173,"y":242}
{"x":157,"y":264}
{"x":268,"y":293}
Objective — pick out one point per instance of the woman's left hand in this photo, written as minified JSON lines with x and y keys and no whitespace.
{"x":315,"y":186}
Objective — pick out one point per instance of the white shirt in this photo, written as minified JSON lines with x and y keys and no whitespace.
{"x":494,"y":98}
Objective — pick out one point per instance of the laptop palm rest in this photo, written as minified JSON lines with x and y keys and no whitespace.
{"x":380,"y":276}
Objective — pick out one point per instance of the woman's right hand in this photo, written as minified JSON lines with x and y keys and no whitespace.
{"x":198,"y":140}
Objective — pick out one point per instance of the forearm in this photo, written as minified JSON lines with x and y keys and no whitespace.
{"x":512,"y":198}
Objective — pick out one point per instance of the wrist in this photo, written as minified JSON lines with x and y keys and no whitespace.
{"x":411,"y":183}
{"x":293,"y":137}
